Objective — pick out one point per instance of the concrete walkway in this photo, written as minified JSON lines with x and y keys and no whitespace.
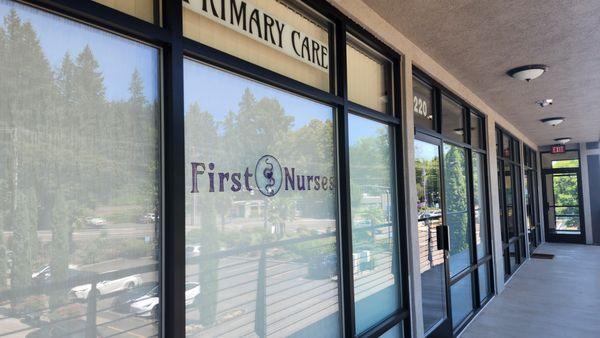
{"x":547,"y":298}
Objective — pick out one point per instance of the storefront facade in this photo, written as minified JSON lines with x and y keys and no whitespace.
{"x":248,"y":168}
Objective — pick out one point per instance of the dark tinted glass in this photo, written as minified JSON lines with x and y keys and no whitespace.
{"x":506,"y":146}
{"x":452,"y":120}
{"x":423,"y":104}
{"x":477,"y":132}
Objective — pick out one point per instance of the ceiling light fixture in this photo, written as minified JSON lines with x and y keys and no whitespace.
{"x":563,"y":140}
{"x":553,"y":121}
{"x":527,"y":73}
{"x":544,"y":103}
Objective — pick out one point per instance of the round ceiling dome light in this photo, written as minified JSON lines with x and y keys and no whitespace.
{"x":527,"y":73}
{"x":563,"y":140}
{"x":553,"y":121}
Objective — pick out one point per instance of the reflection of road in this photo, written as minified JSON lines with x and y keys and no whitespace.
{"x":112,"y":231}
{"x":294,"y":301}
{"x":109,"y":321}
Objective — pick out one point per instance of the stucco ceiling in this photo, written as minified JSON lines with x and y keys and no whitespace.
{"x":477,"y":41}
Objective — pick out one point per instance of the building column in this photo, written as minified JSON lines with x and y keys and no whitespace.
{"x":496,"y":225}
{"x":414,"y":270}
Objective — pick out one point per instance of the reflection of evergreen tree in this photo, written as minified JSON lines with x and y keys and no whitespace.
{"x":59,"y":133}
{"x":455,"y":185}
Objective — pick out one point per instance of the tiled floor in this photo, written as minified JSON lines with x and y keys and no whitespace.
{"x":547,"y":298}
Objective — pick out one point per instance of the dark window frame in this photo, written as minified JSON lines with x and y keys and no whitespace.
{"x":174,"y":48}
{"x":436,"y":132}
{"x":514,"y":160}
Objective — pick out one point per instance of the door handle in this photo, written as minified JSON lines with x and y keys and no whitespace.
{"x":446,"y":238}
{"x":439,"y":234}
{"x":443,"y":237}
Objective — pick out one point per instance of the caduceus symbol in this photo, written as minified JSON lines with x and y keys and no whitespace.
{"x":268,"y":174}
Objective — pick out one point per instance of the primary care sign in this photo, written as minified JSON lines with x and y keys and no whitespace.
{"x":259,"y":25}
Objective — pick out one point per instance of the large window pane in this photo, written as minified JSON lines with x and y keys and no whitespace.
{"x":79,"y":142}
{"x":462,"y":300}
{"x":282,"y":36}
{"x":453,"y":125}
{"x":457,"y":207}
{"x":261,"y":251}
{"x":374,"y":242}
{"x":509,"y":199}
{"x":369,"y":76}
{"x":431,"y":258}
{"x":422,"y":104}
{"x":483,"y":272}
{"x":479,"y":179}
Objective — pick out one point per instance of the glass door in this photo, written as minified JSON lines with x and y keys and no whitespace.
{"x":564,"y":220}
{"x":433,"y":243}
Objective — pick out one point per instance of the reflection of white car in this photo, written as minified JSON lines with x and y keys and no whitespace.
{"x":147,"y":218}
{"x":95,"y":222}
{"x":148,"y":307}
{"x":192,"y":250}
{"x":106,"y":287}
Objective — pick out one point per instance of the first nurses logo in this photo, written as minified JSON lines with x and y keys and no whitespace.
{"x":269,"y":177}
{"x":255,"y":23}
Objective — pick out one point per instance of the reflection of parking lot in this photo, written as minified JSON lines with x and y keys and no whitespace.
{"x":75,"y":316}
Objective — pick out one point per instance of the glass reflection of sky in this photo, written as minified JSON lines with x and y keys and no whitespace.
{"x":220,"y":92}
{"x":116,"y":56}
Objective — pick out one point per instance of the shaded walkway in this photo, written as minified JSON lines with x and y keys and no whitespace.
{"x":547,"y":298}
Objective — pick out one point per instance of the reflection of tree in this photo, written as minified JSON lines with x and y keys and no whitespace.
{"x":455,"y":186}
{"x":68,"y":150}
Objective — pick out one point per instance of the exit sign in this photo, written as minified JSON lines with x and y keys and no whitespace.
{"x":558,"y":149}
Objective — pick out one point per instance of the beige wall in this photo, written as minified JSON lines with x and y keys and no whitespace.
{"x":143,"y":9}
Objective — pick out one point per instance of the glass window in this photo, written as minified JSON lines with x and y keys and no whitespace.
{"x":517,"y":151}
{"x":429,"y":210}
{"x":374,"y":240}
{"x":282,"y":36}
{"x":457,"y":207}
{"x":483,"y":273}
{"x":565,"y":164}
{"x":394,"y":332}
{"x":79,"y":142}
{"x":512,"y":251}
{"x":477,"y":132}
{"x":452,"y":120}
{"x":509,"y":207}
{"x":506,"y":146}
{"x":261,"y":209}
{"x":462,"y":300}
{"x":569,"y":159}
{"x":141,"y":9}
{"x":479,"y":177}
{"x":422,"y":104}
{"x":369,"y":76}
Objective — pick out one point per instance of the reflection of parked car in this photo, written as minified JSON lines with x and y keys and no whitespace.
{"x":72,"y":328}
{"x":323,"y":266}
{"x":44,"y":275}
{"x":95,"y":222}
{"x":106,"y":287}
{"x":149,"y":307}
{"x":192,"y":250}
{"x":147,"y":218}
{"x":122,"y":302}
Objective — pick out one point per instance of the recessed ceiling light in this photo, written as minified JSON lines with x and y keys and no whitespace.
{"x":527,"y":73}
{"x":553,"y":121}
{"x":544,"y":103}
{"x":563,"y":140}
